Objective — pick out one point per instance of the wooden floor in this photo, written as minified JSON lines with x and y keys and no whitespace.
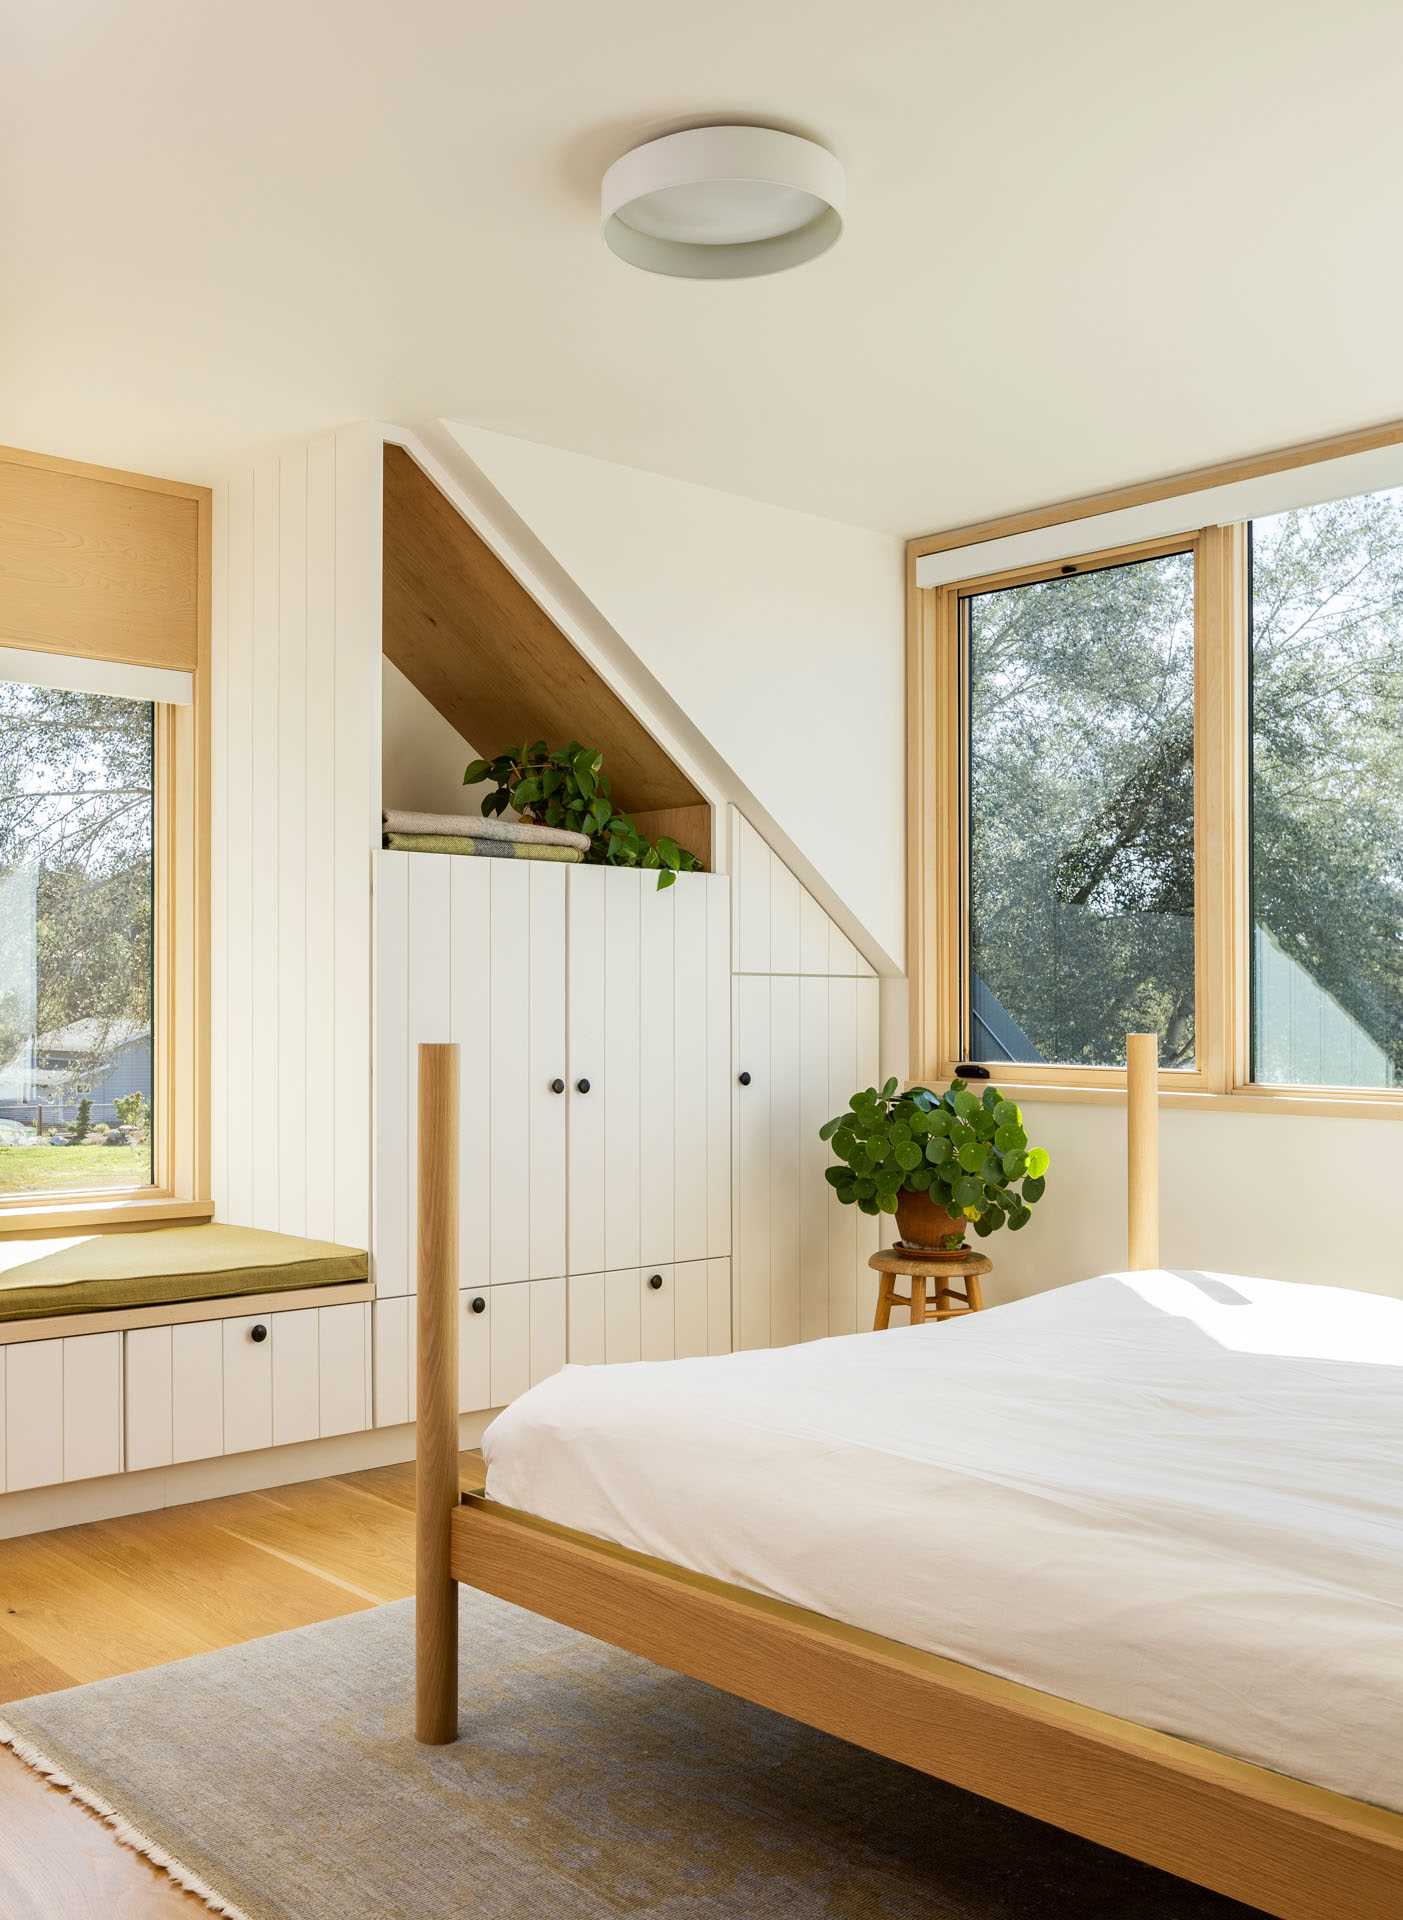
{"x":87,"y":1602}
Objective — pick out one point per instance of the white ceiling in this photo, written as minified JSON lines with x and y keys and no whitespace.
{"x":1086,"y":242}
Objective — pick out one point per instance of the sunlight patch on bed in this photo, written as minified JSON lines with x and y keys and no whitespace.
{"x":1282,"y":1317}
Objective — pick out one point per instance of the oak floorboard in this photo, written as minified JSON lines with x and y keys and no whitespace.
{"x":86,"y":1602}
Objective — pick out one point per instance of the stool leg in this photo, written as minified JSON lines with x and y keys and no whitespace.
{"x":918,"y":1299}
{"x":883,"y":1319}
{"x":974,"y":1292}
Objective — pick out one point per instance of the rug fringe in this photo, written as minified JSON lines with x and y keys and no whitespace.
{"x":129,"y":1835}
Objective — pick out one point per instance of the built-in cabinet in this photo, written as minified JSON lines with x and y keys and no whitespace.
{"x":592,"y":1012}
{"x":805,"y":1039}
{"x":101,"y":1403}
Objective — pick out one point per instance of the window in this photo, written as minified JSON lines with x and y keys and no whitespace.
{"x":1081,"y":814}
{"x":1327,"y":794}
{"x":77,"y":870}
{"x":1160,"y":788}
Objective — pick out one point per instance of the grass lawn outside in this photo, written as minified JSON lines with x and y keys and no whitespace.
{"x":57,"y":1169}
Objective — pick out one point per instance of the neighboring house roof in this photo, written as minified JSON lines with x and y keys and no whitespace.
{"x":87,"y":1036}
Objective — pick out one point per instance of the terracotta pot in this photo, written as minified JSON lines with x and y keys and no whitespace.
{"x":922,"y":1223}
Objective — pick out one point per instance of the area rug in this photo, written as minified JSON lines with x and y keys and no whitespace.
{"x":281,"y":1781}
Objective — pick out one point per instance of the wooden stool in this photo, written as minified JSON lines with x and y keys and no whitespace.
{"x":918,"y":1268}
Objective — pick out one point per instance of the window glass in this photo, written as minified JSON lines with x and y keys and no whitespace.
{"x":1327,"y":794}
{"x":76,"y":837}
{"x":1081,"y":815}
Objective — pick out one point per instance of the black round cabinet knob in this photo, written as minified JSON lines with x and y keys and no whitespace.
{"x":260,"y":1332}
{"x":479,"y":1305}
{"x":557,"y":1086}
{"x":744,"y":1079}
{"x":582,"y":1086}
{"x":655,"y":1281}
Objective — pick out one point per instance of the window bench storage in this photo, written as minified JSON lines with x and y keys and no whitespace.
{"x":152,"y":1349}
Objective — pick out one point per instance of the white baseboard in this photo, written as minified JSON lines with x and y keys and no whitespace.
{"x":40,"y":1509}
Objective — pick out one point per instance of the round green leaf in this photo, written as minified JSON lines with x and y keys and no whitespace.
{"x":965,"y":1104}
{"x":1006,"y":1113}
{"x":969,"y":1191}
{"x":907,"y":1155}
{"x":919,"y":1180}
{"x":1009,"y":1137}
{"x":1012,"y":1164}
{"x":972,"y":1157}
{"x":1038,"y":1162}
{"x":938,"y":1151}
{"x":1033,"y":1190}
{"x":837,"y":1176}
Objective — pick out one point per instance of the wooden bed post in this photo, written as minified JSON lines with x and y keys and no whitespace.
{"x":436,"y":1438}
{"x":1142,"y":1149}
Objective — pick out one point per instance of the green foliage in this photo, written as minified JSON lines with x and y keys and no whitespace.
{"x":967,"y":1150}
{"x":84,"y":1120}
{"x":133,"y":1114}
{"x":568,"y":787}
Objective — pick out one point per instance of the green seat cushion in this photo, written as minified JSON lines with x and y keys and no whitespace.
{"x":94,"y":1272}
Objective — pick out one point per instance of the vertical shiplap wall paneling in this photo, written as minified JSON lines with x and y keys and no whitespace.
{"x":658,"y":1079}
{"x":806,"y":1029}
{"x":815,"y":1106}
{"x":359,"y":480}
{"x":842,"y":1221}
{"x":509,"y":1091}
{"x":718,"y":1066}
{"x":318,"y":923}
{"x":293,"y":1117}
{"x":232,"y":841}
{"x":219,"y":862}
{"x":470,"y":1025}
{"x":392,"y":1253}
{"x":689,"y":950}
{"x":295,"y":678}
{"x":622,"y":1092}
{"x":266,"y":769}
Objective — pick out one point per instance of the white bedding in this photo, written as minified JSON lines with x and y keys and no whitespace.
{"x":1176,"y":1497}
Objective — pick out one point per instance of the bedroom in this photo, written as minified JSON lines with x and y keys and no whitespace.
{"x":901,"y":516}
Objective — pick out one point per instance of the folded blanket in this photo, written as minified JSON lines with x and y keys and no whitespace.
{"x":493,"y":829}
{"x":484,"y":849}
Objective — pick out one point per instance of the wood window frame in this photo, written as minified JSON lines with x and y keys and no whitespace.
{"x":180,"y":1185}
{"x":937,"y":805}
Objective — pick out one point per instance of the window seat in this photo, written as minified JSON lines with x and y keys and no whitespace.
{"x":95,"y":1273}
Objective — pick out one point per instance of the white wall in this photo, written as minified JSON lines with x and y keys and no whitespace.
{"x":1285,"y":1196}
{"x":422,"y":756}
{"x":295,"y":654}
{"x":779,"y":635}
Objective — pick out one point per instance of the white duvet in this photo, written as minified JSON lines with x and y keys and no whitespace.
{"x":1176,"y":1497}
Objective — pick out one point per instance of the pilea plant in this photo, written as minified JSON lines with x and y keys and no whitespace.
{"x":568,"y":787}
{"x":968,"y":1151}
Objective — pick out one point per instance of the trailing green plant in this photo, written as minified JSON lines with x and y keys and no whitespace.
{"x":568,"y":787}
{"x":968,"y":1151}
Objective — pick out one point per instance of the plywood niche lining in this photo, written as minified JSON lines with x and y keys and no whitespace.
{"x":461,"y":627}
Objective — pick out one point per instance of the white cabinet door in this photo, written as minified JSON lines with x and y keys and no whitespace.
{"x":800,"y":1260}
{"x":527,"y":1070}
{"x":92,"y":1405}
{"x":619,"y":1114}
{"x":585,"y":1341}
{"x":690,"y":1004}
{"x":753,"y":1100}
{"x":657,"y":1171}
{"x":470,"y":1026}
{"x":197,"y":1390}
{"x":296,"y":1409}
{"x":391,"y":1322}
{"x":149,"y":1398}
{"x":511,"y":1341}
{"x":33,"y":1414}
{"x":474,"y":1349}
{"x":248,"y":1383}
{"x":591,"y":1072}
{"x":343,"y":1365}
{"x":393,"y":1077}
{"x":430,"y":1003}
{"x":657,"y":1311}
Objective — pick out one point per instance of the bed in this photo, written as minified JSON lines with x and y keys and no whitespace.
{"x":1128,"y":1556}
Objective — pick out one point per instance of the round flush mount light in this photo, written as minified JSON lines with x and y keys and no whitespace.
{"x":723,"y":203}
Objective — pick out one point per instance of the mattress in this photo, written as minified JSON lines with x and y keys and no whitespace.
{"x":1176,"y":1497}
{"x":95,"y":1272}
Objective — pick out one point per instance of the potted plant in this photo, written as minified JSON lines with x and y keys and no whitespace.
{"x":937,"y":1161}
{"x":568,"y":787}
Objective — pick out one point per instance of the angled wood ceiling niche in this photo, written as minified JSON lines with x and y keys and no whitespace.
{"x":463,"y":629}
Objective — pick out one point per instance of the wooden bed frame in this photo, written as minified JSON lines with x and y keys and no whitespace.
{"x":1297,"y":1851}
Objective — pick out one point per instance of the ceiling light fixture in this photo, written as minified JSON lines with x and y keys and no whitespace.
{"x":723,"y":203}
